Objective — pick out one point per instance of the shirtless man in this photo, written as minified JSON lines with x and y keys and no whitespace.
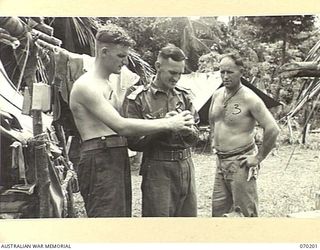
{"x":233,"y":114}
{"x":104,"y":170}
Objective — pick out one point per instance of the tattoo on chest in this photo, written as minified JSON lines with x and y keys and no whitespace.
{"x":237,"y":109}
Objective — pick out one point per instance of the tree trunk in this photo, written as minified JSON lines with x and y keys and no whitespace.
{"x":283,"y":59}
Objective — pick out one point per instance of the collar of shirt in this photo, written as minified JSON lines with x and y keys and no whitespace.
{"x":154,"y":90}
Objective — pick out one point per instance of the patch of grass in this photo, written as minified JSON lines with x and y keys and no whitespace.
{"x":282,"y":189}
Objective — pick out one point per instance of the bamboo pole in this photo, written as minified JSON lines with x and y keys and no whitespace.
{"x":40,"y":26}
{"x":49,"y":39}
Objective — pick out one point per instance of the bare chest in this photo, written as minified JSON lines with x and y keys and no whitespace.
{"x":231,"y":112}
{"x":111,"y":96}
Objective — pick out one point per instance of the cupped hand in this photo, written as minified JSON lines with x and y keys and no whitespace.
{"x":248,"y":160}
{"x":181,"y":121}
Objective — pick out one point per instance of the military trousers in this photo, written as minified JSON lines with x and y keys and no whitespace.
{"x":168,"y":188}
{"x":105,"y":182}
{"x":232,"y":190}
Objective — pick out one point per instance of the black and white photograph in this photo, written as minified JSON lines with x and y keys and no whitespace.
{"x":214,"y":116}
{"x":155,"y":122}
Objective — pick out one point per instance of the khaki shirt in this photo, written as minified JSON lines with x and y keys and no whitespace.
{"x":149,"y":102}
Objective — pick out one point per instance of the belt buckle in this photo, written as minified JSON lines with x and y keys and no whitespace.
{"x":172,"y":155}
{"x":104,"y":141}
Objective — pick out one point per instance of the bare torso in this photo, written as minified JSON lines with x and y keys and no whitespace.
{"x":89,"y":126}
{"x":232,"y":123}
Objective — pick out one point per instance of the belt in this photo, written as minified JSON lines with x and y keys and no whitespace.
{"x":169,"y":155}
{"x":226,"y":155}
{"x":113,"y":141}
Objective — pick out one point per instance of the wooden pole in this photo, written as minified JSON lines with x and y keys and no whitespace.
{"x":41,"y":157}
{"x":43,"y":179}
{"x":305,"y":133}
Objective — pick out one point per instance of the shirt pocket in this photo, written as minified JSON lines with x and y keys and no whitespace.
{"x":160,"y":113}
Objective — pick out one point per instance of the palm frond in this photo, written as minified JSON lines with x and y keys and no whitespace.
{"x":309,"y":94}
{"x":84,"y":27}
{"x":191,"y":41}
{"x":314,"y":53}
{"x":139,"y":66}
{"x":312,"y":85}
{"x":199,"y":45}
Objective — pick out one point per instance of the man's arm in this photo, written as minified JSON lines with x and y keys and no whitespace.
{"x":211,"y":120}
{"x":270,"y":131}
{"x":93,"y":100}
{"x":133,"y":109}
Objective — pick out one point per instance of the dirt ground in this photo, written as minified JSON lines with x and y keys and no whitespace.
{"x":283,"y":189}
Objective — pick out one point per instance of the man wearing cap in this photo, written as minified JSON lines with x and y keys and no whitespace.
{"x":104,"y":170}
{"x":234,"y":112}
{"x":168,"y":182}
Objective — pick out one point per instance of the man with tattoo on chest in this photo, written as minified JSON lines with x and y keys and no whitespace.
{"x":233,"y":114}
